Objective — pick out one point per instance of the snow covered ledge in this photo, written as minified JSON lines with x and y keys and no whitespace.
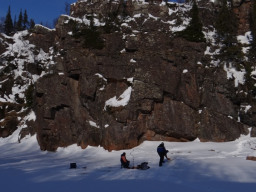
{"x":122,"y":100}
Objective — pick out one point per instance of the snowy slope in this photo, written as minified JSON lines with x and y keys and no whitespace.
{"x":196,"y":167}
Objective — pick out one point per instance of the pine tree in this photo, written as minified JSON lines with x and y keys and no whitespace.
{"x":194,"y":30}
{"x":31,"y":24}
{"x":20,"y":22}
{"x":67,"y":8}
{"x":227,"y":25}
{"x":2,"y":19}
{"x":15,"y":24}
{"x":25,"y":20}
{"x":8,"y":25}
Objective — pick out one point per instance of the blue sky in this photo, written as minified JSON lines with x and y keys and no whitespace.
{"x":40,"y":10}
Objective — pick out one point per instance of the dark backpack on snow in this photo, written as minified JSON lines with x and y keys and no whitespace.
{"x":143,"y":166}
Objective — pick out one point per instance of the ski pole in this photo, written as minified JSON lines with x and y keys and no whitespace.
{"x":132,"y":158}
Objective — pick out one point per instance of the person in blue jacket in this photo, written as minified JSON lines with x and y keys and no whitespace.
{"x":162,"y":152}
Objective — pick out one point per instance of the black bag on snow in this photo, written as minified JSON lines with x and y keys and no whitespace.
{"x":143,"y":166}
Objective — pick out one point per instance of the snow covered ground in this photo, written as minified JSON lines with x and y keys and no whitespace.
{"x":197,"y":166}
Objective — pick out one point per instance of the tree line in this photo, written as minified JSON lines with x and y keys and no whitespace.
{"x":23,"y":22}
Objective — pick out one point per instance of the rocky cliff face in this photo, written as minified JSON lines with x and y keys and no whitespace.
{"x":136,"y":81}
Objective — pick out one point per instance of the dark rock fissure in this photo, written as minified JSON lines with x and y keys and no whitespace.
{"x":74,"y":76}
{"x":54,"y":110}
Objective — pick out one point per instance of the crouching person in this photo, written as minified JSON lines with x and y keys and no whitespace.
{"x":124,"y":162}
